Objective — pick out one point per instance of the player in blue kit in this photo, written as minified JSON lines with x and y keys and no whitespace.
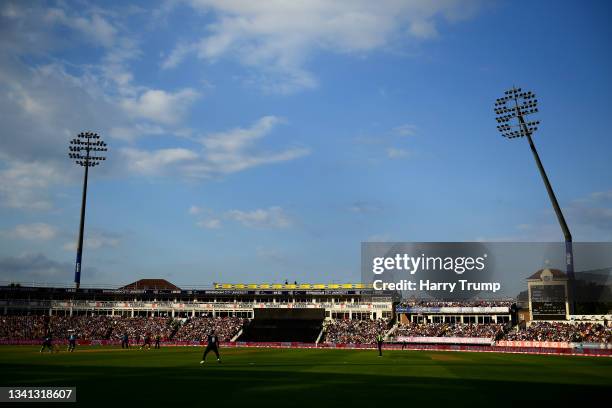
{"x":72,"y":341}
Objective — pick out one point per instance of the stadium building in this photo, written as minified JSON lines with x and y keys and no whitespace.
{"x":303,"y":315}
{"x":158,"y":297}
{"x":274,"y":312}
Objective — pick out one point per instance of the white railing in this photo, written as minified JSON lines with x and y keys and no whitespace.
{"x":191,"y":306}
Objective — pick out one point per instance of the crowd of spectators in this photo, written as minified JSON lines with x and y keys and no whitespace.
{"x":564,"y":332}
{"x":22,"y":327}
{"x":197,"y":328}
{"x":355,"y":331}
{"x":114,"y":327}
{"x":491,"y":330}
{"x":36,"y":327}
{"x":137,"y":327}
{"x":336,"y":331}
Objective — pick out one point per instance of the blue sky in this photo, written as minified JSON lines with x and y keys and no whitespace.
{"x":263,"y":141}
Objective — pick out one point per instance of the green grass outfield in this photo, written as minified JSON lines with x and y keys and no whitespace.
{"x":252,"y":377}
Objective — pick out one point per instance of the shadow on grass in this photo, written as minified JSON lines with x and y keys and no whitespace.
{"x":211,"y":384}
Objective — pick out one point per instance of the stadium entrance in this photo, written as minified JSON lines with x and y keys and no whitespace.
{"x":295,"y":325}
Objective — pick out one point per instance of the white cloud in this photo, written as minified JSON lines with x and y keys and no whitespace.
{"x":44,"y":104}
{"x":161,"y":106}
{"x":397,"y":153}
{"x":405,"y":130}
{"x":239,"y":138}
{"x":272,"y":217}
{"x":38,"y":267}
{"x":278,"y":37}
{"x":195,"y":210}
{"x":95,"y":28}
{"x":177,"y":55}
{"x":589,"y":219}
{"x":209,"y":223}
{"x":232,"y":162}
{"x":96,"y":240}
{"x":232,"y":151}
{"x":205,"y":217}
{"x":221,"y":153}
{"x":423,"y":29}
{"x":25,"y":185}
{"x":154,"y":162}
{"x":36,"y":231}
{"x":131,"y":133}
{"x":363,"y":207}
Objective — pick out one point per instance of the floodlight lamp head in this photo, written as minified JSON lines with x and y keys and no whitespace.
{"x":86,"y":145}
{"x":511,"y":111}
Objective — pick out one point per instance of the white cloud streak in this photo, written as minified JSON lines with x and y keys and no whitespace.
{"x":155,"y":162}
{"x":397,"y":153}
{"x":278,"y":37}
{"x":96,"y":240}
{"x":25,"y":185}
{"x":36,"y":231}
{"x":218,"y":154}
{"x":161,"y":106}
{"x":272,"y":217}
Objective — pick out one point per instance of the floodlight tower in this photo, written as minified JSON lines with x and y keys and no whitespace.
{"x":512,"y":110}
{"x":86,"y":149}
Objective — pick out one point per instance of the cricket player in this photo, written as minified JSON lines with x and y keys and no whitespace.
{"x":47,"y":343}
{"x":72,"y":341}
{"x":212,"y":345}
{"x":125,"y":341}
{"x":147,"y":342}
{"x":379,"y":343}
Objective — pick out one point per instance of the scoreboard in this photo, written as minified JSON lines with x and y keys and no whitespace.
{"x":548,"y":302}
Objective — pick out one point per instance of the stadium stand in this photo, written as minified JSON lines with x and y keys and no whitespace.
{"x":333,"y":314}
{"x":563,"y":332}
{"x":197,"y":328}
{"x":355,"y":331}
{"x":449,"y":330}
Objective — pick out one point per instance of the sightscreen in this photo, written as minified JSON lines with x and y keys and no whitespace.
{"x":290,"y":314}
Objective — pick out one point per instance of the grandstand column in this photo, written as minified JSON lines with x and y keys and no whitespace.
{"x":132,"y":314}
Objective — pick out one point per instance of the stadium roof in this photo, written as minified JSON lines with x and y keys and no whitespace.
{"x":150,"y":284}
{"x":556,"y":274}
